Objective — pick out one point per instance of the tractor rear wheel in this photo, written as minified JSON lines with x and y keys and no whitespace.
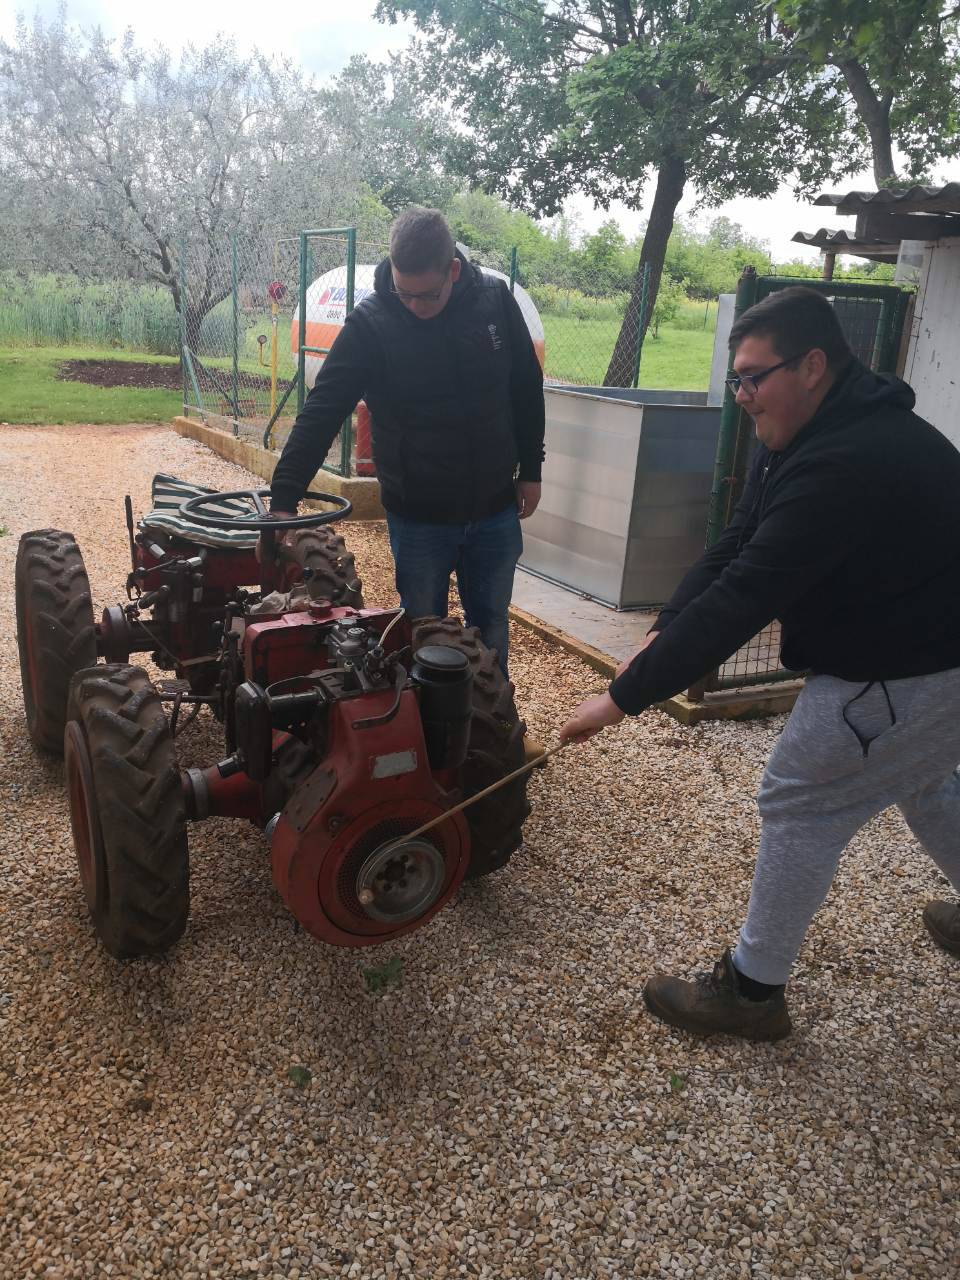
{"x":127,"y":811}
{"x":332,"y":572}
{"x":55,"y":631}
{"x":495,"y":748}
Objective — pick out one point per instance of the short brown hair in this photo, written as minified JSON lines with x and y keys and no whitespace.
{"x":420,"y":241}
{"x":795,"y":320}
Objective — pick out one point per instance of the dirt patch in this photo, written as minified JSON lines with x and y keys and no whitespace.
{"x":165,"y":377}
{"x":122,"y":373}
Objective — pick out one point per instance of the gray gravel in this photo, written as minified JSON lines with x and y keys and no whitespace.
{"x":507,"y":1108}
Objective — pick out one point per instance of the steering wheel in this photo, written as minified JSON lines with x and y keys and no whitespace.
{"x":260,"y":519}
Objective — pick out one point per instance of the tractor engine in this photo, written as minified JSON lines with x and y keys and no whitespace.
{"x":379,"y":736}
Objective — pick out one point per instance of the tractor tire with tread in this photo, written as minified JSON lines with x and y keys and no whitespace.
{"x":55,"y":630}
{"x":333,"y":569}
{"x":127,"y":810}
{"x":495,"y":748}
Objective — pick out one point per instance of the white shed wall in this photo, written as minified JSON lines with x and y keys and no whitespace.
{"x":933,"y":357}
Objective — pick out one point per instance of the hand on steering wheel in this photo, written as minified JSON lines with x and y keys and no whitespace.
{"x":267,"y":523}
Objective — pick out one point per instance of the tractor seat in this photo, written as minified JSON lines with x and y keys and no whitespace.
{"x":167,"y":493}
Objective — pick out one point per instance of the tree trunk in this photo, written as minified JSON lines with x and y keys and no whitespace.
{"x":192,"y":319}
{"x":875,"y":114}
{"x":671,"y":177}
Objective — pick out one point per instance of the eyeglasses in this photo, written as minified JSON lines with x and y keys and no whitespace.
{"x":750,"y":382}
{"x":404,"y":296}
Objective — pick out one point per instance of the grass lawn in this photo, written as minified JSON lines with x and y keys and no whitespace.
{"x":31,"y":392}
{"x":577,"y":351}
{"x":580,"y":350}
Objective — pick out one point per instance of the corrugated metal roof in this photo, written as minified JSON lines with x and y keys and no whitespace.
{"x":945,"y":199}
{"x":844,"y":242}
{"x":837,"y":239}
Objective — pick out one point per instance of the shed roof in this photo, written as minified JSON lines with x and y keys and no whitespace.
{"x":945,"y":199}
{"x":843,"y":242}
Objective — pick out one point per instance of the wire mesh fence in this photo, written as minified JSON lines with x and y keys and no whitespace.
{"x":242,"y":330}
{"x":237,"y":300}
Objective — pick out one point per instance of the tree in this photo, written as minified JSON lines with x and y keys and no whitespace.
{"x":710,"y":263}
{"x":899,"y":60}
{"x":135,"y":154}
{"x":603,"y":267}
{"x":375,"y":112}
{"x":565,"y":95}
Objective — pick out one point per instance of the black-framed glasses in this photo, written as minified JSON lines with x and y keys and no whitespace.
{"x":750,"y":382}
{"x":433,"y":296}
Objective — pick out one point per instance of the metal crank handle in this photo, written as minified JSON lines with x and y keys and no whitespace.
{"x":465,"y":804}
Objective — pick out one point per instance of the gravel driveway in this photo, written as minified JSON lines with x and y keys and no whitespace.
{"x":506,"y":1108}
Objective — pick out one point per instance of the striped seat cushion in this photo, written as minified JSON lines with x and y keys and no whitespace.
{"x":168,"y":493}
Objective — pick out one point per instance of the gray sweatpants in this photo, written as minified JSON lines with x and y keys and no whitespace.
{"x":826,"y":777}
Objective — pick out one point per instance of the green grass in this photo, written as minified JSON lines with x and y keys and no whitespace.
{"x":30,"y":391}
{"x":579,"y":351}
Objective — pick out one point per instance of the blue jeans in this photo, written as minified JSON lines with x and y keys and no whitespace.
{"x":483,"y":555}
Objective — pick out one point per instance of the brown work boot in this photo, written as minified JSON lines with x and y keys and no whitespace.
{"x":712,"y":1005}
{"x":533,"y":750}
{"x":943,"y":924}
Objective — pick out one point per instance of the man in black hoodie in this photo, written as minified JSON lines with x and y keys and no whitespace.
{"x":848,"y":532}
{"x":442,"y":356}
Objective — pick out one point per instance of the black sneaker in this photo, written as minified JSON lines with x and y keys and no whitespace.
{"x":943,"y":924}
{"x":712,"y":1005}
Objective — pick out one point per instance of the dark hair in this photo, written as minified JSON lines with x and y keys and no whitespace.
{"x":420,"y":241}
{"x":795,"y":320}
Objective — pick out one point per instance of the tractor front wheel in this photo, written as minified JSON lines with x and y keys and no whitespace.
{"x":55,"y":631}
{"x":127,"y":811}
{"x":495,"y":748}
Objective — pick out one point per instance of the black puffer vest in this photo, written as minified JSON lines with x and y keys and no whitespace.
{"x":443,"y":438}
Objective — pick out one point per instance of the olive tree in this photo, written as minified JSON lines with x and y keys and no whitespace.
{"x":133,"y":154}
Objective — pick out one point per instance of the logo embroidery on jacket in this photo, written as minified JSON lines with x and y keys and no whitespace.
{"x":495,"y":339}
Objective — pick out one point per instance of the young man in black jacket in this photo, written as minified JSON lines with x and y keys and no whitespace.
{"x":848,"y":532}
{"x":442,"y":356}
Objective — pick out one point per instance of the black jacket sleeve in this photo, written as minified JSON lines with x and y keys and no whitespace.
{"x":340,"y":384}
{"x":716,"y":558}
{"x":526,"y":392}
{"x":817,"y":520}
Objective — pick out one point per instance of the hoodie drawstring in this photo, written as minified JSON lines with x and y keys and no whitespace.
{"x":866,"y":742}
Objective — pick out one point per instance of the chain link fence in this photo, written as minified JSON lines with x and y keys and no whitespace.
{"x":242,"y":331}
{"x":237,"y":300}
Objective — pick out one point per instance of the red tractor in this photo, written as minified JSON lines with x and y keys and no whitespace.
{"x":345,"y":728}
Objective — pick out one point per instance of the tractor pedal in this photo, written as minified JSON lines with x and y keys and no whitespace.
{"x":172,"y":686}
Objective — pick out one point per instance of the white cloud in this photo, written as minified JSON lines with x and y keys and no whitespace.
{"x":322,"y":36}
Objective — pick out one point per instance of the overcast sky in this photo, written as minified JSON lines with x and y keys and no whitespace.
{"x":325,"y":34}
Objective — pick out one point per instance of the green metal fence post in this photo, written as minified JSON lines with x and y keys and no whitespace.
{"x":346,"y":431}
{"x":235,"y":380}
{"x":729,"y":423}
{"x":182,"y":273}
{"x":644,"y":296}
{"x":302,"y":323}
{"x":189,"y":370}
{"x":513,"y":268}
